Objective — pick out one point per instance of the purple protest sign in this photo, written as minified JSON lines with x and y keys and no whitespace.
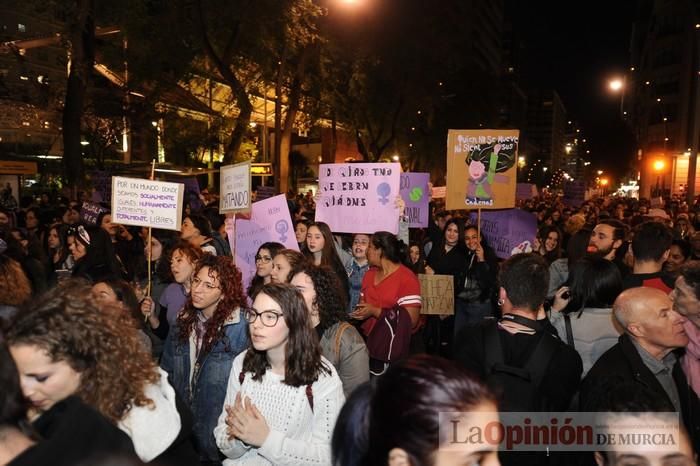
{"x":508,"y":231}
{"x":89,"y":212}
{"x":414,"y":191}
{"x":270,"y":221}
{"x":359,"y":197}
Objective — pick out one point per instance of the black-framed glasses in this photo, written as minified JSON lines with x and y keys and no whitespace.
{"x":268,"y":318}
{"x":263,"y":259}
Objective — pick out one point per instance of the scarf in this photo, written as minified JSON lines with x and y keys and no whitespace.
{"x":691,"y":360}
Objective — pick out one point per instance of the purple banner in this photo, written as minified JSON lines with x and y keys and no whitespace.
{"x":359,"y":197}
{"x":102,"y":186}
{"x":270,"y":221}
{"x":508,"y":231}
{"x":415,"y":193}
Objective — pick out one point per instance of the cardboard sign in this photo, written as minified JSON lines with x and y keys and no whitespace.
{"x":414,"y":192}
{"x":89,"y":212}
{"x":525,"y":191}
{"x":147,"y":203}
{"x":439,"y":192}
{"x":270,"y":221}
{"x":235,"y":188}
{"x":437,"y":292}
{"x":508,"y":231}
{"x":483,"y":166}
{"x":359,"y":197}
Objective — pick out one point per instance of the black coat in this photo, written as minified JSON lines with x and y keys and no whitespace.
{"x":623,"y":364}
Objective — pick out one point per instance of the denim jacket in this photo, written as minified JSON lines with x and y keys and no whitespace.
{"x":207,"y":398}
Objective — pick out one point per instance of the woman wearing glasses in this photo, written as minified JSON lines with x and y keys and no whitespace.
{"x":200,"y":348}
{"x":263,"y":266}
{"x":283,"y":397}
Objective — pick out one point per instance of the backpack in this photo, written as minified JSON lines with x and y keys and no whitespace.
{"x":518,"y":386}
{"x":390,"y":337}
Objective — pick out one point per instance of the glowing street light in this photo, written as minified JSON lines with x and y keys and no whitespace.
{"x":659,"y":165}
{"x":615,"y":85}
{"x":521,"y":161}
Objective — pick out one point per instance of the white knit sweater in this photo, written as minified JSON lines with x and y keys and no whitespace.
{"x":297,"y":436}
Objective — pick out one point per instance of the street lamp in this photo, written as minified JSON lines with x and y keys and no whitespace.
{"x":659,"y":165}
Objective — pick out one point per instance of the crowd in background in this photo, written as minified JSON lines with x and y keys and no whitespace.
{"x":324,"y":357}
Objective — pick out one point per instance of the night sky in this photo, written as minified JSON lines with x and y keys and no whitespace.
{"x":575,"y":48}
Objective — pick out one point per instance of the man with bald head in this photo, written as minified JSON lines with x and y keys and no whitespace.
{"x":645,"y":355}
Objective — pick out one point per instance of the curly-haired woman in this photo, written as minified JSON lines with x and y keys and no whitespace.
{"x":208,"y":335}
{"x":64,"y":345}
{"x":341,"y":343}
{"x":283,"y":396}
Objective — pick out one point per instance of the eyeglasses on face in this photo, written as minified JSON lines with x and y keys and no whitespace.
{"x":196,"y":281}
{"x":268,"y":318}
{"x":263,"y":259}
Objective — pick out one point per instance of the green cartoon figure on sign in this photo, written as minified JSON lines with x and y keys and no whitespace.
{"x":484,"y":168}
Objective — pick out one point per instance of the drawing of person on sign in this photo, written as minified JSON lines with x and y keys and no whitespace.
{"x":485,"y":168}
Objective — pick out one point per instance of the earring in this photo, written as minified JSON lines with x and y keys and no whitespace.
{"x":500,"y":302}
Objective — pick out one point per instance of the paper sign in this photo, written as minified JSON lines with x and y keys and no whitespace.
{"x":524,"y":191}
{"x":508,"y":231}
{"x":439,"y":192}
{"x":482,"y":167}
{"x":414,"y":192}
{"x":359,"y":197}
{"x":147,"y":203}
{"x":437,"y":292}
{"x":90,"y":211}
{"x":270,"y":221}
{"x":235,"y":188}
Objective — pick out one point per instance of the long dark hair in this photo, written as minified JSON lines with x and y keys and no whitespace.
{"x":329,"y":256}
{"x":402,"y":411}
{"x":303,"y":363}
{"x":232,"y":299}
{"x":257,"y":281}
{"x":393,"y":249}
{"x":99,"y":253}
{"x":13,"y":405}
{"x":63,"y":252}
{"x":329,"y":301}
{"x":593,"y":282}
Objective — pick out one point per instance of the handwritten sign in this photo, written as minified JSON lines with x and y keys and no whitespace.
{"x":437,"y":292}
{"x":89,"y":212}
{"x":147,"y":203}
{"x":508,"y":231}
{"x":270,"y":221}
{"x":235,"y":188}
{"x":359,"y":197}
{"x":482,"y":167}
{"x":414,"y":192}
{"x":439,"y":192}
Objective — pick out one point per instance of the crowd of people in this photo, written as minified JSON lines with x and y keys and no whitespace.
{"x":124,"y":346}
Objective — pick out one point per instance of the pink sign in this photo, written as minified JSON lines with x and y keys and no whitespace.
{"x":270,"y":221}
{"x":359,"y":197}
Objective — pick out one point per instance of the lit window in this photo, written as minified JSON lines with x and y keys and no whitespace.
{"x":21,"y":27}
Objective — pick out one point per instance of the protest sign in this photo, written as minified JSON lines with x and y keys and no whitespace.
{"x":525,"y":191}
{"x":482,"y":167}
{"x":270,"y":221}
{"x":264,"y":192}
{"x":437,"y":293}
{"x":147,"y":203}
{"x":89,"y":212}
{"x":414,"y":192}
{"x":439,"y":192}
{"x":574,"y":193}
{"x":235,"y":188}
{"x":359,"y":197}
{"x":102,"y":184}
{"x":508,"y":231}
